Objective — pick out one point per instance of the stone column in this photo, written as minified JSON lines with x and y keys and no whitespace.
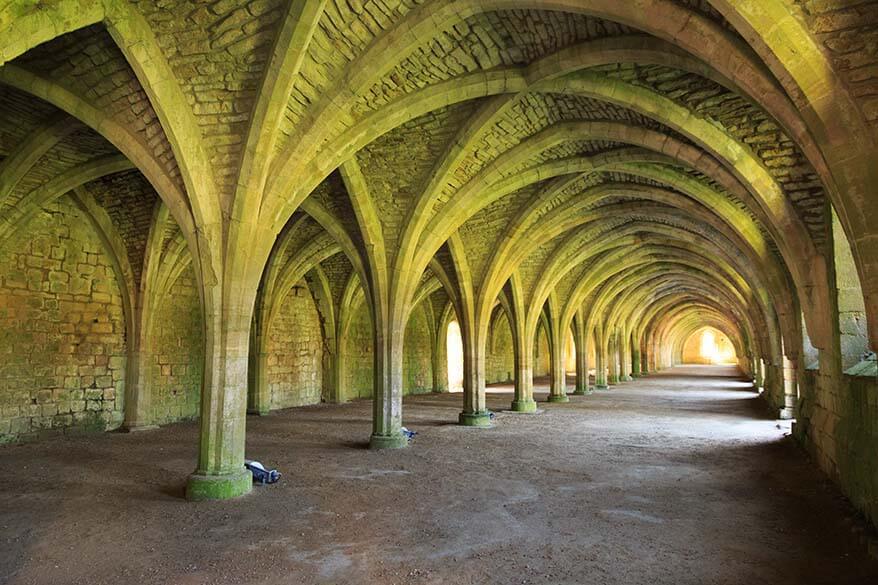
{"x":579,"y":338}
{"x":138,"y":395}
{"x":475,"y":413}
{"x":387,"y":389}
{"x":613,"y":357}
{"x":221,"y":473}
{"x":790,"y":387}
{"x":557,"y":373}
{"x":523,"y":399}
{"x":625,"y":357}
{"x":600,"y":367}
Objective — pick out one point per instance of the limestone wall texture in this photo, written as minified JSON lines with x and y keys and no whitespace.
{"x":62,"y":329}
{"x":178,"y":359}
{"x":417,"y":372}
{"x":295,"y":352}
{"x":542,"y":357}
{"x":358,"y":355}
{"x":500,"y":358}
{"x":853,"y":336}
{"x":836,"y":424}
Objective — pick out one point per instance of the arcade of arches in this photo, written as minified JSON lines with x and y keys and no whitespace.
{"x":211,"y":209}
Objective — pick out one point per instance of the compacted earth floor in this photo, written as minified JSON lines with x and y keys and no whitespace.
{"x":678,"y":478}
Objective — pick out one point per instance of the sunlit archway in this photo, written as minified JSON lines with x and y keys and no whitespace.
{"x":709,"y":346}
{"x":454,"y":343}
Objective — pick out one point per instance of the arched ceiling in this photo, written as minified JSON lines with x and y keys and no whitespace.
{"x":452,"y":141}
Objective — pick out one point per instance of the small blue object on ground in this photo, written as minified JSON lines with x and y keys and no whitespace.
{"x":408,"y":434}
{"x":260,"y":474}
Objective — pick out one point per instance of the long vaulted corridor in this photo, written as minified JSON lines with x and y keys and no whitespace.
{"x":678,"y":478}
{"x":243,"y":237}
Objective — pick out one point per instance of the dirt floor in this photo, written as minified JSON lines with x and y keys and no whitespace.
{"x":675,"y":479}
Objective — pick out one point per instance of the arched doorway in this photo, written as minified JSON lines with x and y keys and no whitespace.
{"x":454,"y":350}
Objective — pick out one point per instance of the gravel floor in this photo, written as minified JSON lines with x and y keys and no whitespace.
{"x":678,"y":478}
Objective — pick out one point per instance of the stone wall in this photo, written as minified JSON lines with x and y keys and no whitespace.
{"x":836,"y":424}
{"x":359,"y":361}
{"x":851,"y":306}
{"x":417,"y":368}
{"x":178,"y":353}
{"x":62,"y":329}
{"x":500,"y":357}
{"x":542,"y":357}
{"x":295,"y":351}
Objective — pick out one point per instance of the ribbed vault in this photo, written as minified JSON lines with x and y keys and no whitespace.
{"x":625,"y":171}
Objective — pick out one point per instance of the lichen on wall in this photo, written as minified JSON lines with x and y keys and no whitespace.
{"x":417,"y":368}
{"x":542,"y":357}
{"x":62,"y":329}
{"x":295,"y":351}
{"x":358,"y":355}
{"x":500,"y":360}
{"x":178,"y":360}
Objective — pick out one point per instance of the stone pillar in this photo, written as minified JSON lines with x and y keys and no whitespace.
{"x":259,"y":397}
{"x":600,"y":368}
{"x":625,"y":355}
{"x":557,"y":373}
{"x":138,"y":403}
{"x":790,"y":387}
{"x":523,"y":399}
{"x":613,"y":357}
{"x":221,"y":473}
{"x":579,"y":338}
{"x":387,"y":392}
{"x":475,"y":413}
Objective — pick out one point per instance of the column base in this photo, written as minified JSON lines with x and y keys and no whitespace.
{"x":475,"y":419}
{"x":397,"y":441}
{"x":527,"y":405}
{"x":137,"y":428}
{"x":787,"y":414}
{"x":219,"y":487}
{"x":558,"y":398}
{"x":583,"y":391}
{"x":601,"y":387}
{"x":257,"y":412}
{"x":627,"y":379}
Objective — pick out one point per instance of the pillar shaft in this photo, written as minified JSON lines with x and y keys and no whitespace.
{"x":387,"y":388}
{"x":523,"y":399}
{"x":579,"y":338}
{"x":138,"y":394}
{"x":600,"y":368}
{"x":475,"y":412}
{"x":557,"y":371}
{"x":790,"y":388}
{"x":221,"y":473}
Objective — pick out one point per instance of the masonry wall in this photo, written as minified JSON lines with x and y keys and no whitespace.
{"x":359,"y":361}
{"x":836,"y":424}
{"x":853,"y":336}
{"x":62,"y":329}
{"x":178,"y":353}
{"x":295,"y":351}
{"x":542,"y":357}
{"x":417,"y":365}
{"x":500,"y":358}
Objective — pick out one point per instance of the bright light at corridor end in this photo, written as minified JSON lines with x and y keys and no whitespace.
{"x":709,"y":346}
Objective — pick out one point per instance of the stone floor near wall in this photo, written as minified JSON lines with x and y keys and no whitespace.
{"x":678,"y":478}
